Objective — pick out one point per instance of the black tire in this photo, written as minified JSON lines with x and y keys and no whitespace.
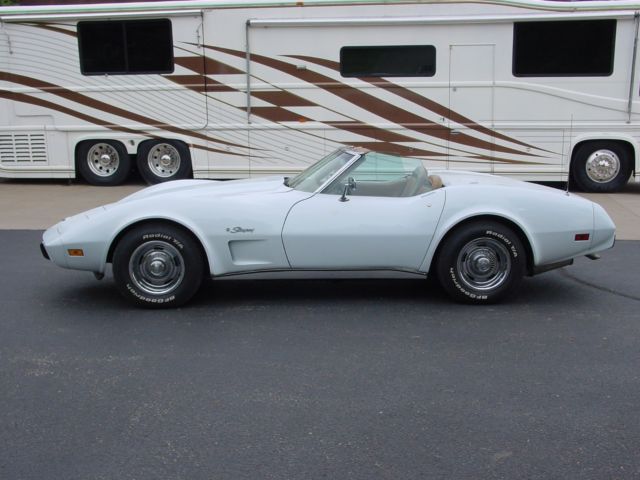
{"x":163,"y":160}
{"x":481,"y":262}
{"x":158,"y":266}
{"x":601,"y":166}
{"x":103,"y":162}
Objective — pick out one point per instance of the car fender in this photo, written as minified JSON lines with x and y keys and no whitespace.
{"x":184,"y":222}
{"x":453,"y":221}
{"x":549,"y":219}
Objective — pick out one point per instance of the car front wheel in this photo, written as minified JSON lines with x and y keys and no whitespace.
{"x":158,"y":266}
{"x":481,"y":262}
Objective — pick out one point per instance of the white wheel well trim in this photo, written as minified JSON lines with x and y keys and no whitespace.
{"x":603,"y":137}
{"x":190,"y":227}
{"x":452,"y":223}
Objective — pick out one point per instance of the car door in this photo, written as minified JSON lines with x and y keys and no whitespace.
{"x":381,"y":224}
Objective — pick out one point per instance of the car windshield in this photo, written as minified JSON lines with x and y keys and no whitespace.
{"x":380,"y":175}
{"x":317,"y":174}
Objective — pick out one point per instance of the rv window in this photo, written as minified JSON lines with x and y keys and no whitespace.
{"x":125,"y":47}
{"x":388,"y":61}
{"x":564,"y":48}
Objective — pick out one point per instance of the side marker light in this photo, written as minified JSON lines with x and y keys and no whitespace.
{"x":75,"y":252}
{"x":581,"y":237}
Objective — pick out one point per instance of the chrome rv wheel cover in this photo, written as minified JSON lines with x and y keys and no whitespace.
{"x":163,"y":160}
{"x":602,"y":166}
{"x":103,"y":160}
{"x":484,"y":264}
{"x":156,"y":268}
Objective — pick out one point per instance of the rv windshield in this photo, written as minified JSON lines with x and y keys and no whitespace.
{"x":317,"y":174}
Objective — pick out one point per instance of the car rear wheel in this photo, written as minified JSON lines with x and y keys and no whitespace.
{"x":163,"y":160}
{"x":481,"y":262}
{"x":158,"y":266}
{"x":601,"y":166}
{"x":103,"y":162}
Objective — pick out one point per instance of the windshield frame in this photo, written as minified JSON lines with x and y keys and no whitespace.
{"x":355,"y":156}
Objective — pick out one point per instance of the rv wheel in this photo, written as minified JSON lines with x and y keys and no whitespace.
{"x":163,"y":160}
{"x":601,"y":166}
{"x":103,"y":162}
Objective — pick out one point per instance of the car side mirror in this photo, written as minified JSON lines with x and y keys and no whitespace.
{"x":348,"y":187}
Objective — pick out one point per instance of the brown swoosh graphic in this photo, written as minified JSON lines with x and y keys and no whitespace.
{"x":199,"y":83}
{"x":283,"y":98}
{"x":24,"y":98}
{"x":277,"y":114}
{"x":47,"y":26}
{"x":206,"y":65}
{"x":369,"y":102}
{"x":98,"y":105}
{"x":418,"y":100}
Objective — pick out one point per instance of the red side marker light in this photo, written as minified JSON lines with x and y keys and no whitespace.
{"x":581,"y":237}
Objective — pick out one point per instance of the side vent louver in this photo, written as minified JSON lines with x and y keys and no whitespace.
{"x":23,"y":148}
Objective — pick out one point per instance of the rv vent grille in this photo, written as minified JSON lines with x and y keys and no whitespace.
{"x":23,"y":148}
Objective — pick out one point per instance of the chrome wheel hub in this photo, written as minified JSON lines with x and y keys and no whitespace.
{"x":156,"y":268}
{"x":164,"y":160}
{"x":602,"y":166}
{"x":484,"y":264}
{"x":103,"y":160}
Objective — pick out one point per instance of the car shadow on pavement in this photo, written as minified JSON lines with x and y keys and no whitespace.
{"x":553,"y":288}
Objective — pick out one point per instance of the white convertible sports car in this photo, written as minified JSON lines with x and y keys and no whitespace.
{"x":353,"y":210}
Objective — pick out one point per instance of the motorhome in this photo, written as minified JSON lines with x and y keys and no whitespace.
{"x":534,"y":89}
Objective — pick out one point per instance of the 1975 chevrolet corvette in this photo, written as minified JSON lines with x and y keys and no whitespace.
{"x":353,"y":210}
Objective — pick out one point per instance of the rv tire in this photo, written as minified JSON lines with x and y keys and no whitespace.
{"x":163,"y":160}
{"x":103,"y":162}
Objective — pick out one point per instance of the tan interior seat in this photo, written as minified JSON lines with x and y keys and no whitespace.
{"x":436,"y":181}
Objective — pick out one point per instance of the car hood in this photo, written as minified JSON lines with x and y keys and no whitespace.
{"x":209,"y":188}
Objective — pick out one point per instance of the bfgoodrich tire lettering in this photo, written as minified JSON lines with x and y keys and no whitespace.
{"x":158,"y":266}
{"x":481,"y":262}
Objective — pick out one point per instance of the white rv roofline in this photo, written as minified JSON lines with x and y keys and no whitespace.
{"x":133,"y":8}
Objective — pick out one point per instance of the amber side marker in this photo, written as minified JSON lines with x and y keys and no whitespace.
{"x":581,"y":237}
{"x":75,"y":252}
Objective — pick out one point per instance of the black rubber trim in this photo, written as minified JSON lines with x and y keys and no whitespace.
{"x":44,"y":251}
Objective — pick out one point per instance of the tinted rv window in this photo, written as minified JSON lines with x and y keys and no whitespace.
{"x":125,"y":47}
{"x":566,"y":48}
{"x":391,"y":61}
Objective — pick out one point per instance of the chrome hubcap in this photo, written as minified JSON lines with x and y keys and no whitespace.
{"x":103,"y":160}
{"x":156,"y":268}
{"x":164,"y":160}
{"x":484,"y":264}
{"x":602,"y":166}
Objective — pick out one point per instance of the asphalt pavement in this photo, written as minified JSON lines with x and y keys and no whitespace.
{"x":336,"y":378}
